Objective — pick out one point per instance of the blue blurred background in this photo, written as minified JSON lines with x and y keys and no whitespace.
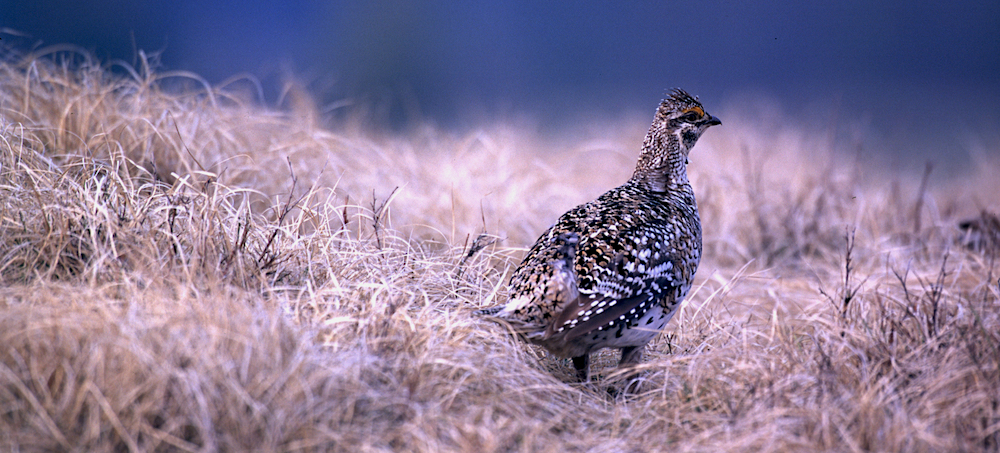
{"x":923,"y":76}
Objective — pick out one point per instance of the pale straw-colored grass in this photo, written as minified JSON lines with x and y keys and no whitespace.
{"x":184,"y":270}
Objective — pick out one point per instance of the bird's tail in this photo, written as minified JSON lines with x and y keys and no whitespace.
{"x":492,"y":311}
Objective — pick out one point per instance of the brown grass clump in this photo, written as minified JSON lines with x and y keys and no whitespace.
{"x":185,"y":271}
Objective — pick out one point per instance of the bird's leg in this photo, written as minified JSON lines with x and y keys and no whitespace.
{"x":630,"y":355}
{"x":582,"y":365}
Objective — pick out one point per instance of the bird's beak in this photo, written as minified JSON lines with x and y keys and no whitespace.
{"x":713,"y":121}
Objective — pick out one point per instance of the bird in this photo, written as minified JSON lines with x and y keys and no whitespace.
{"x":611,"y":273}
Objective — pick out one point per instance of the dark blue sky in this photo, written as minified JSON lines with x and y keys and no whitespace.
{"x":914,"y":69}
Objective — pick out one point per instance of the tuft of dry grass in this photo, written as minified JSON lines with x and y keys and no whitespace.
{"x":184,"y":270}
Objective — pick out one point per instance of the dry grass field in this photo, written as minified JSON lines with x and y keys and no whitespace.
{"x":184,"y":270}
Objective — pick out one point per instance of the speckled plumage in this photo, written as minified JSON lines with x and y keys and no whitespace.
{"x":612,"y":272}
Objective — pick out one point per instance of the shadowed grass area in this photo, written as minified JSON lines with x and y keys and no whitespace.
{"x":183,"y":270}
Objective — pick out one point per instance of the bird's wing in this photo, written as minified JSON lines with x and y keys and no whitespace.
{"x":543,"y":283}
{"x":605,"y":311}
{"x":635,"y":279}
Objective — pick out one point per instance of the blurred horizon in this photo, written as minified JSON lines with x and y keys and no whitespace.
{"x":917,"y":78}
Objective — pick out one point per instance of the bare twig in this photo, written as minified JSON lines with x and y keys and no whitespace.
{"x":482,"y":241}
{"x":934,"y":291}
{"x":343,"y":213}
{"x":919,"y":206}
{"x":266,"y":252}
{"x":379,"y":210}
{"x":848,"y":290}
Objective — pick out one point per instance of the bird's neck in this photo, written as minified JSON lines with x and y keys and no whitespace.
{"x":662,"y":165}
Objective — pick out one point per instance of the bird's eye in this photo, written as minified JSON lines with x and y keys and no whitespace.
{"x":690,"y":117}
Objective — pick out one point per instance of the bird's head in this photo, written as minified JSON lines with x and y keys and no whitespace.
{"x":679,"y":121}
{"x":683,"y":117}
